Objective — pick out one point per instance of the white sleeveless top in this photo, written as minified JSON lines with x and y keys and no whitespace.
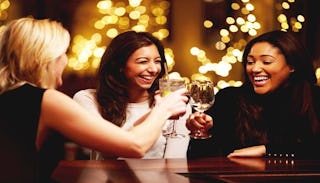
{"x":164,"y":147}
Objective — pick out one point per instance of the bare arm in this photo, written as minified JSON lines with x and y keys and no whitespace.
{"x":253,"y":151}
{"x":61,"y":113}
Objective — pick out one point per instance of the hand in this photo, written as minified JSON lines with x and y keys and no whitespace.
{"x":175,"y":102}
{"x":253,"y":151}
{"x":198,"y":121}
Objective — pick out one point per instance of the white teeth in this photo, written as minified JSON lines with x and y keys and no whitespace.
{"x":147,"y":77}
{"x":260,"y":78}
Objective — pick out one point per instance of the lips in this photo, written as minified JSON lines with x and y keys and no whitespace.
{"x":260,"y":80}
{"x":147,"y":79}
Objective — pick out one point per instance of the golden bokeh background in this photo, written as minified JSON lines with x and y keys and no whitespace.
{"x":202,"y":38}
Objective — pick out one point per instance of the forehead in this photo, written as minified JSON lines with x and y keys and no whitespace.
{"x":263,"y":48}
{"x":145,"y":51}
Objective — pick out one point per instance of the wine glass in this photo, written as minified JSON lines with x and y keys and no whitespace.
{"x":167,"y":86}
{"x":201,"y":99}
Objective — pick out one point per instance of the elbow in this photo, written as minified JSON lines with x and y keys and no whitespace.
{"x":138,"y":150}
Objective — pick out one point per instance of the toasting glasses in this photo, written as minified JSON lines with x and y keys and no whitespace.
{"x":201,"y":99}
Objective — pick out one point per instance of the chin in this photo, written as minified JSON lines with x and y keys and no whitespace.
{"x":261,"y":91}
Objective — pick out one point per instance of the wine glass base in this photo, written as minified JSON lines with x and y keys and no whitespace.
{"x":200,"y":136}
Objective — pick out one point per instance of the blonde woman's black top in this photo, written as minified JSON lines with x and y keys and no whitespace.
{"x":20,"y":111}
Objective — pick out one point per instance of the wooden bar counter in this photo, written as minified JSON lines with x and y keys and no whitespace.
{"x":218,"y":169}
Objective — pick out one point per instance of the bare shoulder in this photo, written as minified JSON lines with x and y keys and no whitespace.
{"x":55,"y":97}
{"x":57,"y":106}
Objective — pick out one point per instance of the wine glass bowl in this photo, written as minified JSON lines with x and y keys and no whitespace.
{"x":201,"y":99}
{"x":167,"y":86}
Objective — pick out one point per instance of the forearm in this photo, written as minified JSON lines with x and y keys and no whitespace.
{"x":148,"y":131}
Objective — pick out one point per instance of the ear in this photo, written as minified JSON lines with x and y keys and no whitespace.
{"x":291,"y":69}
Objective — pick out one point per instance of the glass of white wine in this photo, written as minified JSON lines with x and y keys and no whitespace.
{"x":201,"y":99}
{"x":167,"y":86}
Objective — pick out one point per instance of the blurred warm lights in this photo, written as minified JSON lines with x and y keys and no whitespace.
{"x":152,"y":16}
{"x":208,"y":24}
{"x":4,"y":6}
{"x":285,"y":5}
{"x":235,"y":6}
{"x":243,"y":21}
{"x":116,"y":17}
{"x":318,"y":74}
{"x":296,"y":23}
{"x":246,"y":22}
{"x":169,"y":57}
{"x":119,"y":16}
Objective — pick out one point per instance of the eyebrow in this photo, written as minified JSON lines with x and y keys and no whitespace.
{"x":138,"y":58}
{"x":262,"y":56}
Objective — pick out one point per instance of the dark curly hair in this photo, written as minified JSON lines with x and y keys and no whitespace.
{"x":301,"y":81}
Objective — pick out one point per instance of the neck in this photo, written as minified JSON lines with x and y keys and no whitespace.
{"x":137,"y":97}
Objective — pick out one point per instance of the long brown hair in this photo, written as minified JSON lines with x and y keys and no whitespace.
{"x":112,"y":92}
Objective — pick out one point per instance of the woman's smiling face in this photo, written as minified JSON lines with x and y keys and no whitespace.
{"x":143,"y":67}
{"x":267,"y":68}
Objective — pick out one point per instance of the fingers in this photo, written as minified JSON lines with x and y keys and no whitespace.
{"x":175,"y":102}
{"x":199,"y":121}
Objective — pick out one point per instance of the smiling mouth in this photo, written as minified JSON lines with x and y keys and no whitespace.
{"x":147,"y":77}
{"x":260,"y":80}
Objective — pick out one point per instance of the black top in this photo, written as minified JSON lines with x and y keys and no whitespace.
{"x":288,"y":134}
{"x":20,"y":161}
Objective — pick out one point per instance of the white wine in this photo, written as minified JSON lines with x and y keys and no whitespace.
{"x":200,"y":107}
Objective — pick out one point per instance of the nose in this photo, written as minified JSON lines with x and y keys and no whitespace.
{"x":256,"y":67}
{"x":152,"y":67}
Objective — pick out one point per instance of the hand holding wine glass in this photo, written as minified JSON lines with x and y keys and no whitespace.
{"x":201,"y":99}
{"x":167,"y":86}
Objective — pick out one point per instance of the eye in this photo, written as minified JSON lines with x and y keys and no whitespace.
{"x":142,"y":60}
{"x":267,"y":62}
{"x":250,"y":62}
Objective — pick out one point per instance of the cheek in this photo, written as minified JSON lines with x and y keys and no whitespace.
{"x":128,"y":72}
{"x":60,"y":66}
{"x":282,"y":76}
{"x":63,"y":64}
{"x":248,"y":69}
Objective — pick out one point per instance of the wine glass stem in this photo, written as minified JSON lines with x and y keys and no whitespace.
{"x":174,"y":127}
{"x":174,"y":133}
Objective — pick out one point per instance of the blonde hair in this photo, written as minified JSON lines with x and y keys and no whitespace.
{"x":27,"y":47}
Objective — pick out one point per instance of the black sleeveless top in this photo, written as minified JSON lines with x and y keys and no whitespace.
{"x":288,"y":132}
{"x":19,"y":117}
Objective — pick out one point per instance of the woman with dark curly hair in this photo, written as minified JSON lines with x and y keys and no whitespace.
{"x":276,"y":111}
